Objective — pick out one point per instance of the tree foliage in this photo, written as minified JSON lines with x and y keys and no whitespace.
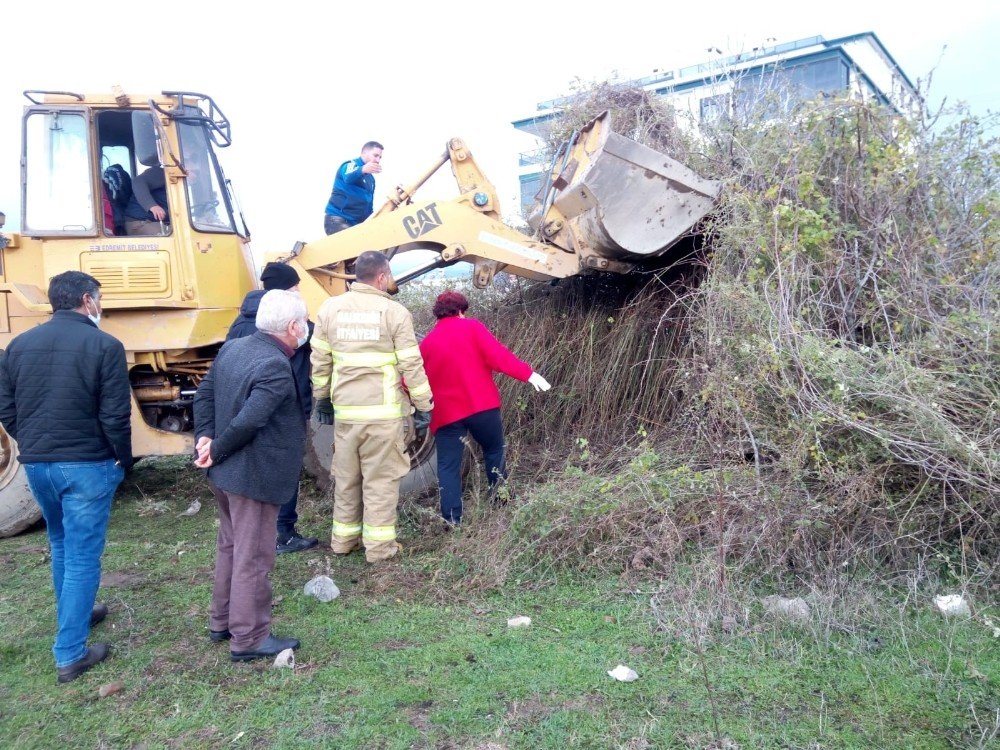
{"x":836,"y":365}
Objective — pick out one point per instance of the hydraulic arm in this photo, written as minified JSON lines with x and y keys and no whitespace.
{"x":608,"y":204}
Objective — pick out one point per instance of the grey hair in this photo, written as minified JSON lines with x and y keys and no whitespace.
{"x":278,"y":308}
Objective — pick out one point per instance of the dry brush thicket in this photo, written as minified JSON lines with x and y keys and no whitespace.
{"x":816,"y":385}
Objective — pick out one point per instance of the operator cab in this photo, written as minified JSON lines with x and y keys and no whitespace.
{"x":81,"y":164}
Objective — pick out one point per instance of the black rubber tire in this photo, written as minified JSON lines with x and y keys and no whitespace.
{"x":18,"y":509}
{"x":420,"y":482}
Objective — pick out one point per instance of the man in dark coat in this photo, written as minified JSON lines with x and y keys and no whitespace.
{"x":65,"y":398}
{"x":250,"y":436}
{"x":282,"y":276}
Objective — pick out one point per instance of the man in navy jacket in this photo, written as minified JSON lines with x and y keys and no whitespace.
{"x":352,"y":199}
{"x":65,"y":398}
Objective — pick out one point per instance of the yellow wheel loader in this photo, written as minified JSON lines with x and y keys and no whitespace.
{"x":171,"y":293}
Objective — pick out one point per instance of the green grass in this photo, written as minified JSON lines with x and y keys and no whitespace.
{"x":402,"y":660}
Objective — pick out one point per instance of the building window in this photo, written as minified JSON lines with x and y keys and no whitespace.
{"x":773,"y":92}
{"x":530,"y":185}
{"x":714,"y":108}
{"x":820,"y":77}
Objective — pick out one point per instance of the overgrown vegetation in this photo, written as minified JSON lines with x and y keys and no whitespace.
{"x":818,"y":387}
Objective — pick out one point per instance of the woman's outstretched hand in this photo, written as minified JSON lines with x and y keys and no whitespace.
{"x":540,"y":383}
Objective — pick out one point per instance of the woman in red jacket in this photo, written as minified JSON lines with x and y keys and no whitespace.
{"x":460,"y":357}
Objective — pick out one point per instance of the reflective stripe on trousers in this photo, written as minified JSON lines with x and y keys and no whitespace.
{"x":369,"y":460}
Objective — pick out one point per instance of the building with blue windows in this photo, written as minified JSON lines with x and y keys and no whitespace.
{"x":858,"y":65}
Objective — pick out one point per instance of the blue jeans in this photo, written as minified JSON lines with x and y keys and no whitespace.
{"x":486,"y":428}
{"x":75,"y":497}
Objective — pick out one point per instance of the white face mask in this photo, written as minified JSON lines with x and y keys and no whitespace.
{"x":301,"y":340}
{"x":95,"y":319}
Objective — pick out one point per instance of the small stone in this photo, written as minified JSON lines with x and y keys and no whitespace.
{"x":192,"y":509}
{"x":111,"y":688}
{"x":793,"y":609}
{"x":285,"y":659}
{"x":952,"y":605}
{"x":519,"y":622}
{"x":623,"y":674}
{"x":323,"y":588}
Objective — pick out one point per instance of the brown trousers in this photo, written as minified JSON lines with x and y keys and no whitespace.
{"x":369,"y":460}
{"x":241,"y":597}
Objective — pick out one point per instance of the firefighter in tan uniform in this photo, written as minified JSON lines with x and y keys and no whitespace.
{"x":362,"y":345}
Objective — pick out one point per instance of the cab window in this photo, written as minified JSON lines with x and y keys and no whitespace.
{"x":58,"y":188}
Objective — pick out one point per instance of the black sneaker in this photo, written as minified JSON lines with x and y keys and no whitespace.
{"x":295,"y":543}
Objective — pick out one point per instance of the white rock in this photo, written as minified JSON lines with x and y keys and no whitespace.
{"x":952,"y":605}
{"x":193,"y":508}
{"x":323,"y":588}
{"x":792,"y":609}
{"x":623,"y":674}
{"x":519,"y":622}
{"x":285,"y":658}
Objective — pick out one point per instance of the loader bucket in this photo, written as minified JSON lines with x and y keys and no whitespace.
{"x":624,"y":201}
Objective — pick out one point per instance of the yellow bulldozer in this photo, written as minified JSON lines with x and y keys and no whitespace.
{"x":608,"y":205}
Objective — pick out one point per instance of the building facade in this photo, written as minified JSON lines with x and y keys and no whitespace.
{"x":858,"y":65}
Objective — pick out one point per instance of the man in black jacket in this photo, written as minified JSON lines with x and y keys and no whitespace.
{"x":250,"y":436}
{"x":65,"y":398}
{"x":282,"y":276}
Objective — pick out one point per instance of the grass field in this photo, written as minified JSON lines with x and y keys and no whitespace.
{"x":408,"y":657}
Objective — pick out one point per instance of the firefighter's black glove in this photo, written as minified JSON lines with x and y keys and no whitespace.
{"x":421,"y":420}
{"x":324,"y":411}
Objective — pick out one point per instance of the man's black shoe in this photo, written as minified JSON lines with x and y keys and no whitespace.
{"x":97,"y":614}
{"x":97,"y":653}
{"x":270,"y":647}
{"x":295,"y":543}
{"x":218,"y":636}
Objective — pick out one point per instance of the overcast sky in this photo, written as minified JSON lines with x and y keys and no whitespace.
{"x":306,"y":84}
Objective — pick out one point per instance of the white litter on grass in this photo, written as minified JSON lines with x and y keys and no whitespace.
{"x":285,"y":659}
{"x":623,"y":674}
{"x":792,"y":609}
{"x":519,"y":622}
{"x":323,"y":588}
{"x":952,"y":605}
{"x":193,"y":508}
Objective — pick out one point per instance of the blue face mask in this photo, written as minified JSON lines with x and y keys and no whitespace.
{"x":301,"y":340}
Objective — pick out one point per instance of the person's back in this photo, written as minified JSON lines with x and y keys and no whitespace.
{"x":250,"y":436}
{"x":241,"y":366}
{"x":245,"y":324}
{"x":65,"y":397}
{"x":460,"y":356}
{"x":68,"y":405}
{"x":362,"y":346}
{"x":360,"y":325}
